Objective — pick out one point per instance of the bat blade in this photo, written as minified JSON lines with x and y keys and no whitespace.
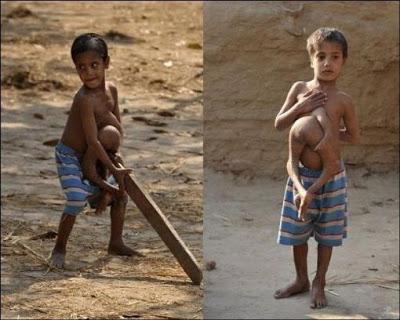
{"x":164,"y":228}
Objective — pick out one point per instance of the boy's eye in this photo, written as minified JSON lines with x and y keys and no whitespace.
{"x":94,"y":65}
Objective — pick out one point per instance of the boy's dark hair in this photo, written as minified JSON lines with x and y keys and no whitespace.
{"x":326,"y":34}
{"x":89,"y":41}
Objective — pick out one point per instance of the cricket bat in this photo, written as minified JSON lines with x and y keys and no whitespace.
{"x":164,"y":228}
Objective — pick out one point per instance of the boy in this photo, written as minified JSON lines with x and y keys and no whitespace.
{"x":313,"y":164}
{"x":110,"y":138}
{"x":94,"y":106}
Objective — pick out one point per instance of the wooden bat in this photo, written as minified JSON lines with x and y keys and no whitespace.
{"x":164,"y":228}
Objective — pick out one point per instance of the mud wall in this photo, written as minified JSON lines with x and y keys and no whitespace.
{"x":253,"y":52}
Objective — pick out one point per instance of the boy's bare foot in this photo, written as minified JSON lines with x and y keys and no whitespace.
{"x":318,"y":299}
{"x":57,"y":259}
{"x":122,"y":250}
{"x":292,"y":289}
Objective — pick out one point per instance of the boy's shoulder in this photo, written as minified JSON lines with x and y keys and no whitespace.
{"x":297,"y":88}
{"x":299,"y":85}
{"x":344,"y":98}
{"x":85,"y":99}
{"x":82,"y":96}
{"x":113,"y":89}
{"x":111,"y":85}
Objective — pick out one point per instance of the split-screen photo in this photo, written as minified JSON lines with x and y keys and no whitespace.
{"x":199,"y":160}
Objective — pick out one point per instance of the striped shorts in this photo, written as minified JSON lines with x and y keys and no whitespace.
{"x":326,"y":217}
{"x":76,"y":188}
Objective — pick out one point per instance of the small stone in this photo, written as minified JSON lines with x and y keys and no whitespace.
{"x":211,"y":265}
{"x":38,"y":116}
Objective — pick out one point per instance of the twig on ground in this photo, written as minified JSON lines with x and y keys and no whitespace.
{"x":33,"y":252}
{"x":39,"y":257}
{"x":388,"y":287}
{"x":332,"y":292}
{"x":364,"y":281}
{"x":8,"y":236}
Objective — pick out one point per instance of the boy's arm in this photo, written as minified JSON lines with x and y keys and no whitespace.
{"x":295,"y":150}
{"x":292,"y":108}
{"x":116,"y":112}
{"x":103,"y":184}
{"x":351,"y":133}
{"x":293,"y":172}
{"x":305,"y":196}
{"x":328,"y":171}
{"x":323,"y":119}
{"x":90,"y":172}
{"x":90,"y":131}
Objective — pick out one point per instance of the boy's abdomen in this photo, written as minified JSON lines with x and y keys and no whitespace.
{"x":311,"y":159}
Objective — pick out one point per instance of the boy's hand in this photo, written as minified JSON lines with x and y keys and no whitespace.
{"x":120,"y":173}
{"x":112,"y":189}
{"x":120,"y":177}
{"x":302,"y":201}
{"x":118,"y":159}
{"x":311,"y":100}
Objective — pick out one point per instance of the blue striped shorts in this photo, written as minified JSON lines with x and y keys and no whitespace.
{"x":326,"y":218}
{"x":76,"y":188}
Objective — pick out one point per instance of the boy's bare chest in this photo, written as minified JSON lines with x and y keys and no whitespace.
{"x":333,"y":108}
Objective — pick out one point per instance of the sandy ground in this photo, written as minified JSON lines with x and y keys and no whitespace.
{"x":156,"y":63}
{"x":241,"y":220}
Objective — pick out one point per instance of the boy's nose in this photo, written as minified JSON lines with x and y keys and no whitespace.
{"x":89,"y":73}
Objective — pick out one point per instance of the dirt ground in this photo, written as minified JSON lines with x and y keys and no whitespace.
{"x":241,"y":220}
{"x":156,"y":63}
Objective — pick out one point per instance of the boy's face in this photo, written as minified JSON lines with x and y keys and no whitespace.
{"x":91,"y":68}
{"x":327,"y":61}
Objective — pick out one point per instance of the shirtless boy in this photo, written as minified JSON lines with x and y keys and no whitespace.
{"x":94,"y":106}
{"x":316,"y":171}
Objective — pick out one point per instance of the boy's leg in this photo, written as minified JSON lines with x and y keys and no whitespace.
{"x":296,"y":147}
{"x":103,"y":200}
{"x":116,"y":245}
{"x":318,"y":299}
{"x":301,"y":284}
{"x":57,"y":256}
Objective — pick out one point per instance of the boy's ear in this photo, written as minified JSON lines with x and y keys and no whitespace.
{"x":107,"y":62}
